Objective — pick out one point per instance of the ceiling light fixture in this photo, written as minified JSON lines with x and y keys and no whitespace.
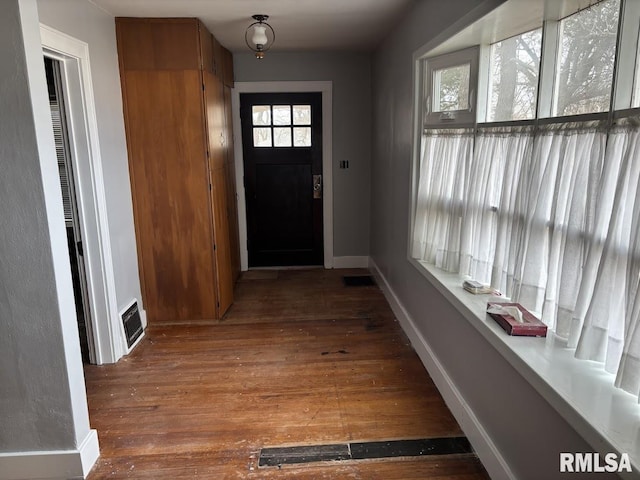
{"x":257,"y":36}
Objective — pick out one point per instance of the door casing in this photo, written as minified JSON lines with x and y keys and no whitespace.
{"x":76,"y":255}
{"x":109,"y":339}
{"x":324,"y":87}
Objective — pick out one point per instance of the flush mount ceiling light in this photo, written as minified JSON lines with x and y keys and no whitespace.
{"x":257,"y":35}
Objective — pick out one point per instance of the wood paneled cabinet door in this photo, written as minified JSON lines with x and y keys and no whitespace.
{"x":176,"y":131}
{"x":232,"y":197}
{"x":217,"y":150}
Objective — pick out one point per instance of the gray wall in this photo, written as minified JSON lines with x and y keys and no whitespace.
{"x":351,"y":77}
{"x":84,"y":21}
{"x":525,"y":428}
{"x":42,"y":400}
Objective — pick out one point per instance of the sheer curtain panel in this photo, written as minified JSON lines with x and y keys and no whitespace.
{"x":550,"y":216}
{"x":609,"y":332}
{"x":446,"y":155}
{"x":563,"y":187}
{"x":494,"y":207}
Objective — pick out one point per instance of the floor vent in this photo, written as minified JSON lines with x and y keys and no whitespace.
{"x":276,"y":457}
{"x":132,"y":323}
{"x":358,"y":281}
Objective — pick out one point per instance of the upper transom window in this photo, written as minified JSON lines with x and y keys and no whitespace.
{"x":450,"y":86}
{"x":585,"y":63}
{"x":513,"y":77}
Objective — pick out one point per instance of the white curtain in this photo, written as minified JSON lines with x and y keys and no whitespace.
{"x":443,"y":174}
{"x":493,"y":217}
{"x":564,"y":177}
{"x":609,"y":295}
{"x":551,"y":218}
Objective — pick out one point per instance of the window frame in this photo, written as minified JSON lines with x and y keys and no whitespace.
{"x":555,"y":56}
{"x":487,"y":96}
{"x":625,"y":88}
{"x":450,"y":118}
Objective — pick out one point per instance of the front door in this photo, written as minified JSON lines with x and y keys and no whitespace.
{"x":282,"y":150}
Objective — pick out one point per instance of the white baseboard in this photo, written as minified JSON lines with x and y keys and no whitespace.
{"x":51,"y":465}
{"x":351,"y":262}
{"x":489,"y":455}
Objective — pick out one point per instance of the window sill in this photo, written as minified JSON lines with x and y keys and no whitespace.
{"x":581,"y":391}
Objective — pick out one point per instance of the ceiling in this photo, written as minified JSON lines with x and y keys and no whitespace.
{"x":309,"y":25}
{"x":511,"y":18}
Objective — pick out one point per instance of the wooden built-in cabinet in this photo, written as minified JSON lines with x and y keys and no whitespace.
{"x":176,"y":83}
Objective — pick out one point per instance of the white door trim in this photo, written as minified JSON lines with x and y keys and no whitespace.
{"x":85,"y":147}
{"x":326,"y":88}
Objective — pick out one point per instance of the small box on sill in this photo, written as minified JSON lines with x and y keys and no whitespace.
{"x":530,"y":326}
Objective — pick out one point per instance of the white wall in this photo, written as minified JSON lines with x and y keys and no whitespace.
{"x":43,"y":406}
{"x":351,"y":77}
{"x":525,"y":429}
{"x":84,"y":21}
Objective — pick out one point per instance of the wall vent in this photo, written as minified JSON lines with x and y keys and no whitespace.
{"x":132,"y":324}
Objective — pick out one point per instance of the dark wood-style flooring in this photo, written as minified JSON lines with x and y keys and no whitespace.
{"x":299,"y":359}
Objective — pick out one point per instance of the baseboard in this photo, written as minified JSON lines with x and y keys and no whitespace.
{"x":51,"y":465}
{"x":351,"y":262}
{"x":485,"y":448}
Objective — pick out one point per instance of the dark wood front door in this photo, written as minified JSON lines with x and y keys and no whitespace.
{"x":282,"y":150}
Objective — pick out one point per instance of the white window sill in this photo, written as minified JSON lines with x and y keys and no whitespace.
{"x":581,"y":391}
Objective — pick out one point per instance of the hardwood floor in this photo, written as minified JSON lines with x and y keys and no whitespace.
{"x":299,"y":359}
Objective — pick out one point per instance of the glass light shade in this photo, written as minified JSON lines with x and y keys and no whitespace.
{"x":259,"y":35}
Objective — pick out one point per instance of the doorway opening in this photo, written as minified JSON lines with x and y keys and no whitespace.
{"x":325,"y":88}
{"x":70,"y":203}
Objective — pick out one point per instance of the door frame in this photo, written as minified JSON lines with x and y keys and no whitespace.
{"x":58,"y":72}
{"x":109,"y":340}
{"x":326,"y":89}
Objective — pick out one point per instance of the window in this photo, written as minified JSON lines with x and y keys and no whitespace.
{"x":544,"y":211}
{"x":587,"y":48}
{"x":450,"y":88}
{"x":281,"y":125}
{"x":513,"y":88}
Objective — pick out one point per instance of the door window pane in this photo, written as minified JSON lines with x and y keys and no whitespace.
{"x":302,"y":114}
{"x":281,"y":136}
{"x":272,"y":125}
{"x":587,"y":49}
{"x":515,"y":64}
{"x":261,"y":137}
{"x":302,"y":136}
{"x":261,"y":114}
{"x":451,"y":88}
{"x":282,"y":115}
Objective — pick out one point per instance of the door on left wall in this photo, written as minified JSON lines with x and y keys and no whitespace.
{"x":69,"y":199}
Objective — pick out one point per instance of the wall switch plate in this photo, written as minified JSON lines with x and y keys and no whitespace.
{"x":344,"y":163}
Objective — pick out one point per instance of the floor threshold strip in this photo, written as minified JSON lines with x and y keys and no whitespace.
{"x":277,"y":456}
{"x":358,"y":280}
